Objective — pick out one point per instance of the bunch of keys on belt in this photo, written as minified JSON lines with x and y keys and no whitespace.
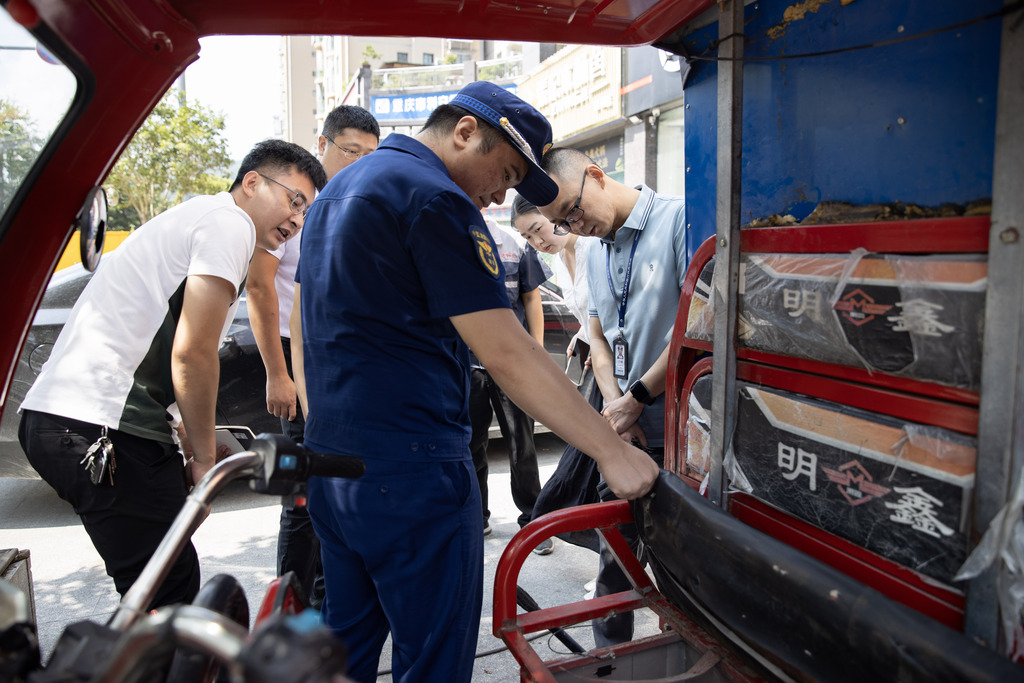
{"x":99,"y":460}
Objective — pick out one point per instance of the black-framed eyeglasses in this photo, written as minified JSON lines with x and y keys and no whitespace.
{"x":349,"y":154}
{"x":298,"y":202}
{"x":575,"y":213}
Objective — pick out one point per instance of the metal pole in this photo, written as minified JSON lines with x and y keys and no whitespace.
{"x":1001,"y":421}
{"x":727,"y":235}
{"x":193,"y":512}
{"x":193,"y":627}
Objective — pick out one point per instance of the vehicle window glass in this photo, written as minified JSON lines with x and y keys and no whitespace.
{"x":36,"y":91}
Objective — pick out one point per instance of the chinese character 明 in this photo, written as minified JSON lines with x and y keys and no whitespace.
{"x":796,"y":461}
{"x":799,"y":301}
{"x":919,"y":317}
{"x":917,"y":509}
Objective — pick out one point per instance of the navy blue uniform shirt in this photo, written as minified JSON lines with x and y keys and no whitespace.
{"x":391,"y":249}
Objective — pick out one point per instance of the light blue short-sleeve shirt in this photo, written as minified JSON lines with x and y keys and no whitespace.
{"x":659,"y":266}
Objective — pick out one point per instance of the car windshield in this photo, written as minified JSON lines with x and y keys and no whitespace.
{"x":36,"y":91}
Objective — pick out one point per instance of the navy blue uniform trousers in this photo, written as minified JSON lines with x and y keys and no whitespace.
{"x":402,"y":553}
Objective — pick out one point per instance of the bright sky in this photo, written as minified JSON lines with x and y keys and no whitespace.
{"x":41,"y":90}
{"x":240,"y":77}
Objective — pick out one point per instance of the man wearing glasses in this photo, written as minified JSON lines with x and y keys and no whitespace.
{"x":349,"y":133}
{"x":635,"y":275}
{"x":141,"y":345}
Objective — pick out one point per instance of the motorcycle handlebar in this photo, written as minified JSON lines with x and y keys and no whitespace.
{"x":327,"y":465}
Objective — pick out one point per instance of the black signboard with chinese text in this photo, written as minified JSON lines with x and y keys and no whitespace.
{"x":897,"y":489}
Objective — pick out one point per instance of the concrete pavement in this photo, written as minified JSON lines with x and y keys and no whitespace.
{"x":240,"y":538}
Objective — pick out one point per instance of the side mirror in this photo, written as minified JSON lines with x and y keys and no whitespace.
{"x":91,"y":222}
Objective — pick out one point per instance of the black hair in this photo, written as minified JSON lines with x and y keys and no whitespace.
{"x":277,"y":155}
{"x":350,"y":116}
{"x":520,"y":207}
{"x":445,"y":116}
{"x":565,"y":163}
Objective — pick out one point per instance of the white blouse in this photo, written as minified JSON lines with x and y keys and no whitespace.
{"x":576,"y":294}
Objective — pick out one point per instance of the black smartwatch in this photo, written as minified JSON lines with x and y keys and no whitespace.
{"x":639,"y":391}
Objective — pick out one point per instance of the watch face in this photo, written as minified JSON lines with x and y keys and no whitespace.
{"x":639,"y":391}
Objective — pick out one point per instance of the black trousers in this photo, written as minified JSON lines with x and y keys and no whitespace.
{"x":517,"y":430}
{"x":127,"y":520}
{"x":298,"y":549}
{"x":611,"y":579}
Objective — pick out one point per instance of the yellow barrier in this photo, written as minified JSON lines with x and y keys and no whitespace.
{"x":72,"y":254}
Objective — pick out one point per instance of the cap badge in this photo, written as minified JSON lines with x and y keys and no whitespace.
{"x":517,"y":138}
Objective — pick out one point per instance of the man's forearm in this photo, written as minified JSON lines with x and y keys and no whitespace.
{"x":601,"y":362}
{"x":264,"y":313}
{"x":195,"y":365}
{"x":196,"y":377}
{"x":528,"y":375}
{"x":534,"y":308}
{"x":298,"y":368}
{"x":655,"y":376}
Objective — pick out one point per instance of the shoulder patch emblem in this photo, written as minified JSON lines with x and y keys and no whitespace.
{"x":485,"y":251}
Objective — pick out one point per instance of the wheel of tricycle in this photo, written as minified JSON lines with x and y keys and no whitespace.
{"x":221,"y":594}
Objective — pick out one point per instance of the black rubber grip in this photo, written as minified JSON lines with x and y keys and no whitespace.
{"x":327,"y":465}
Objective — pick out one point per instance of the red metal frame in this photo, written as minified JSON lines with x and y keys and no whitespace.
{"x":280,"y":598}
{"x":917,"y":236}
{"x":909,"y":399}
{"x":920,"y":409}
{"x":604,"y":22}
{"x":942,"y":603}
{"x":929,"y":235}
{"x":512,"y":627}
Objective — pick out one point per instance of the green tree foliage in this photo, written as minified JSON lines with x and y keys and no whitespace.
{"x":370,"y":54}
{"x":122,"y":217}
{"x":179,"y":151}
{"x":19,"y":148}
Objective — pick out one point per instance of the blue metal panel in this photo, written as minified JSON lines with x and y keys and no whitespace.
{"x":911,"y":122}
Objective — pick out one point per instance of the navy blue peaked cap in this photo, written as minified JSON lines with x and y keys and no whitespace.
{"x":523,"y":126}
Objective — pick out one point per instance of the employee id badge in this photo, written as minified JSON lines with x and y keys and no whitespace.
{"x":620,"y":360}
